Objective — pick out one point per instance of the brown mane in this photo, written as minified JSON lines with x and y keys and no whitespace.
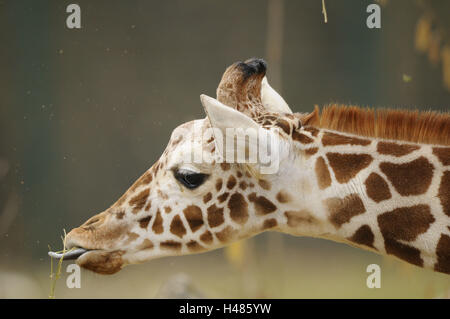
{"x":428,"y":127}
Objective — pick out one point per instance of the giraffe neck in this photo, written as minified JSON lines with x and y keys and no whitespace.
{"x":386,"y":196}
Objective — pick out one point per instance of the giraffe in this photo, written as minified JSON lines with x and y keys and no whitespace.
{"x":375,"y":179}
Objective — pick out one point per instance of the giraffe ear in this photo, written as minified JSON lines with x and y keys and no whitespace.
{"x":271,"y":100}
{"x":239,"y":139}
{"x":223,"y":117}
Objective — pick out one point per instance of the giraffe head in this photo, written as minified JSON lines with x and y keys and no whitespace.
{"x":182,"y":205}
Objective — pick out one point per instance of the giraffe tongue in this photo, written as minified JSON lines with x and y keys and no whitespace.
{"x":72,"y":254}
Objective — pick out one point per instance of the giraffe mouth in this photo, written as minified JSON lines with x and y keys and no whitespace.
{"x":102,"y":261}
{"x":68,"y":255}
{"x":99,"y":261}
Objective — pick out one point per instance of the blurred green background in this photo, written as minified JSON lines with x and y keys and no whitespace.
{"x":83,"y":113}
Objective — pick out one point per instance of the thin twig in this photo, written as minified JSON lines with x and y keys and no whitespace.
{"x":324,"y":11}
{"x":54,"y":277}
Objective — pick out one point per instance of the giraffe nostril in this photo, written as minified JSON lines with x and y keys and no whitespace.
{"x":95,"y":220}
{"x":92,"y":221}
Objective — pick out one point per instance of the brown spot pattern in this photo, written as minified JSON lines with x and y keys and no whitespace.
{"x":206,"y":237}
{"x":215,"y":216}
{"x":231,"y":182}
{"x":402,"y":251}
{"x":243,"y":185}
{"x":363,"y":236}
{"x":146,"y":178}
{"x":284,"y":125}
{"x":143,"y":222}
{"x":377,"y":188}
{"x":405,"y":223}
{"x":283,"y":197}
{"x":314,"y":131}
{"x":269,"y":223}
{"x":444,"y":192}
{"x":346,"y":166}
{"x":158,"y":223}
{"x":176,"y":227}
{"x":223,"y":197}
{"x":311,"y":151}
{"x":138,"y":201}
{"x":322,"y":173}
{"x":263,"y":206}
{"x":194,"y":246}
{"x":443,"y":153}
{"x":207,"y":198}
{"x":443,"y":254}
{"x":295,"y":218}
{"x":219,"y":183}
{"x":264,"y":184}
{"x":302,"y":138}
{"x":120,"y":214}
{"x":194,"y":217}
{"x":238,"y":208}
{"x":143,"y":180}
{"x":170,"y":245}
{"x":330,"y":138}
{"x":226,"y":234}
{"x":343,"y":209}
{"x":395,"y":149}
{"x":412,"y":178}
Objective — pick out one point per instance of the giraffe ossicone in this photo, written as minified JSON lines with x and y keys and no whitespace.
{"x":379,"y":180}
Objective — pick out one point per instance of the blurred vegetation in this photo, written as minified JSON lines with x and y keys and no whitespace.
{"x":432,"y":36}
{"x":83,"y":113}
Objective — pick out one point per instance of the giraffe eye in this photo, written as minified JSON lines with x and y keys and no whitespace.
{"x":190,"y":179}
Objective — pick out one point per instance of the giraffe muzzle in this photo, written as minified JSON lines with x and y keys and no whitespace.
{"x":99,"y":261}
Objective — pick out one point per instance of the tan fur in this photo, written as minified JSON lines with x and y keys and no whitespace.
{"x":429,"y":127}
